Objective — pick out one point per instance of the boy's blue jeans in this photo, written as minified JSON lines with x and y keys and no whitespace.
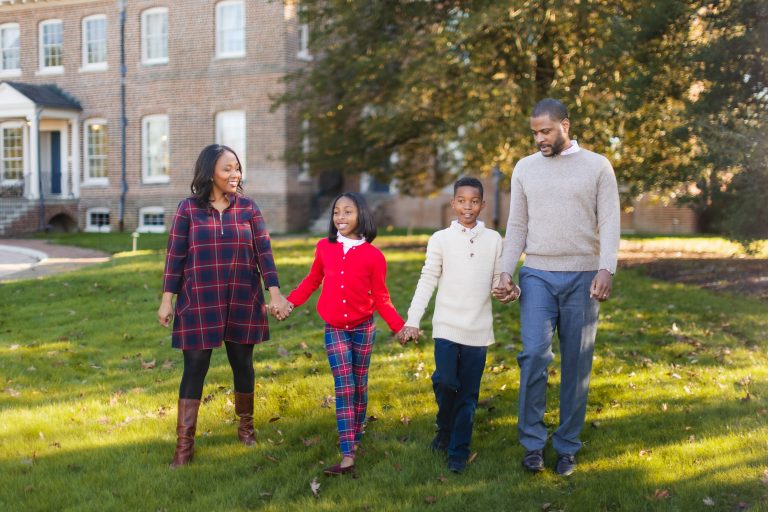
{"x":549,"y":302}
{"x":456,"y":382}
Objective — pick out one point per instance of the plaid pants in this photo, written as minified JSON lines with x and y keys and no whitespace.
{"x":349,"y":353}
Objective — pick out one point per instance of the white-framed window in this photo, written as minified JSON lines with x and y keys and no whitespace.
{"x":151,"y":220}
{"x":95,"y":42}
{"x":230,"y":131}
{"x":10,"y":49}
{"x":304,"y":174}
{"x":302,"y":32}
{"x":97,"y":220}
{"x":51,"y":46}
{"x":154,"y":36}
{"x":96,"y":138}
{"x":230,"y":29}
{"x":154,"y":149}
{"x":11,"y":152}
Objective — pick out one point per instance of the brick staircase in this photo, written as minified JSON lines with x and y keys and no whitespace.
{"x":15,"y":211}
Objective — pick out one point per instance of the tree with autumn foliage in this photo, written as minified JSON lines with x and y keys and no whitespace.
{"x":420,"y":92}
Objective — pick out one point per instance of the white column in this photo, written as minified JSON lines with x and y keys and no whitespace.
{"x":33,"y":192}
{"x":74,"y":125}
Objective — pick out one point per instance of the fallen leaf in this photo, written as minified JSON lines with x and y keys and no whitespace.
{"x":676,"y":376}
{"x":168,"y":364}
{"x":397,"y":466}
{"x":29,"y":488}
{"x":764,"y":478}
{"x":430,"y":500}
{"x":661,"y":494}
{"x":148,"y":365}
{"x":283,"y":352}
{"x":472,"y":458}
{"x":645,"y":453}
{"x":271,"y":458}
{"x":311,"y":441}
{"x":405,"y":420}
{"x":303,"y":346}
{"x":12,"y":392}
{"x":14,"y":346}
{"x":442,"y":479}
{"x":314,"y":486}
{"x":545,"y":507}
{"x":596,"y":424}
{"x":664,"y":407}
{"x":265,"y":494}
{"x":327,"y":401}
{"x":709,"y":501}
{"x":274,"y":419}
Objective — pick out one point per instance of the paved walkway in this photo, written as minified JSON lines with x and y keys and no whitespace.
{"x":29,"y":259}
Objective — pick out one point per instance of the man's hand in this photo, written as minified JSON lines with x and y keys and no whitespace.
{"x":507,"y":290}
{"x":601,"y":286}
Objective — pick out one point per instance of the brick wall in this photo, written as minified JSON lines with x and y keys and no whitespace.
{"x":190,"y":89}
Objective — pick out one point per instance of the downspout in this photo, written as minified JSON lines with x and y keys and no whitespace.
{"x":41,"y":217}
{"x":123,"y":119}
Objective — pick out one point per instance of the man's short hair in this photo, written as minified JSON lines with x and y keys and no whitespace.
{"x":468,"y":181}
{"x":551,"y":107}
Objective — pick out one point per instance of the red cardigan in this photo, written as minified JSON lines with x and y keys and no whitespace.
{"x":354,"y":285}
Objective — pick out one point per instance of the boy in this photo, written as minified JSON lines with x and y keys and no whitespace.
{"x":464,"y":263}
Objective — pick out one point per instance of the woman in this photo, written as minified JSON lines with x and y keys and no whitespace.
{"x":218,"y":253}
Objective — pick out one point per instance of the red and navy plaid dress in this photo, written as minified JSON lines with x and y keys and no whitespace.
{"x":215,"y":264}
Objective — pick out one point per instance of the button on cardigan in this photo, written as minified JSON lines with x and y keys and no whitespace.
{"x":354,"y":285}
{"x":215,"y":263}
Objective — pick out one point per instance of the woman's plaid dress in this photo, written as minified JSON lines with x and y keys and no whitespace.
{"x":215,"y":264}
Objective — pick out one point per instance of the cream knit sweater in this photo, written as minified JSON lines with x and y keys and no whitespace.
{"x":563,"y":213}
{"x":463,"y":265}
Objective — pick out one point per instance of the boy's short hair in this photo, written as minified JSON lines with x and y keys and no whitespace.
{"x":468,"y":181}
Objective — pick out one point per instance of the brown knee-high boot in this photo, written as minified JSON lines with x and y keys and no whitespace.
{"x":186,"y":424}
{"x":244,"y":409}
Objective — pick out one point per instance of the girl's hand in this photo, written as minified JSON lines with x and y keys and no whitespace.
{"x":408,"y":333}
{"x":279,"y":307}
{"x":165,"y":311}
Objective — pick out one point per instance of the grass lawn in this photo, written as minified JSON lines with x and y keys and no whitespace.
{"x":677,"y":416}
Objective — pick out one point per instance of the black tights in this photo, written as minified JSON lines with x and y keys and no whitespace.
{"x":196,"y":363}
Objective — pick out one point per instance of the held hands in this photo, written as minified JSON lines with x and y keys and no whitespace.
{"x":507,"y":290}
{"x":407,"y":334}
{"x":601,"y":286}
{"x":279,"y":307}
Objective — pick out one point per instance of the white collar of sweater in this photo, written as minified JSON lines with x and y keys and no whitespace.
{"x":472,"y":231}
{"x":348,"y":243}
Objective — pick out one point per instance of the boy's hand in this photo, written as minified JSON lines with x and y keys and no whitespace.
{"x":507,"y":290}
{"x":408,"y":333}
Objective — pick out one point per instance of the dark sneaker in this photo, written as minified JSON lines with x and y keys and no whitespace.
{"x":534,"y":461}
{"x":457,"y":465}
{"x":439,"y":445}
{"x":566,"y":464}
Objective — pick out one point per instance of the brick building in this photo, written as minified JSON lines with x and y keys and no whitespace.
{"x":196,"y":72}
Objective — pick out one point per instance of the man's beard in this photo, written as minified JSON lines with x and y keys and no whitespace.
{"x":556,"y":147}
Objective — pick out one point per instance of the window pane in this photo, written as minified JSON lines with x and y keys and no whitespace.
{"x":99,"y":219}
{"x":154,"y":219}
{"x":230,"y":131}
{"x":13,"y":153}
{"x":96,"y":41}
{"x":156,"y":147}
{"x":97,"y":150}
{"x":231,"y":29}
{"x":53,"y":39}
{"x":156,"y":35}
{"x":9,"y":54}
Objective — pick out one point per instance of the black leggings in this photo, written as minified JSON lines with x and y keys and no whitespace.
{"x":196,"y":363}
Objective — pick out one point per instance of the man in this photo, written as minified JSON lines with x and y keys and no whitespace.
{"x":564,"y":214}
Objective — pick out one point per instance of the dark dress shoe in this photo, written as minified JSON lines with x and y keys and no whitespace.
{"x":337,"y":470}
{"x":566,"y":464}
{"x":534,"y":461}
{"x":457,"y":465}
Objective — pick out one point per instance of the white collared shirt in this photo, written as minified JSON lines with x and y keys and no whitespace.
{"x":571,"y":150}
{"x":348,"y":243}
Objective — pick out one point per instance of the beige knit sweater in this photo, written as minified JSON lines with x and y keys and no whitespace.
{"x":463,"y":266}
{"x":563,"y":213}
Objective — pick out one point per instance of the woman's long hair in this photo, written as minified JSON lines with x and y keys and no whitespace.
{"x":202,"y":181}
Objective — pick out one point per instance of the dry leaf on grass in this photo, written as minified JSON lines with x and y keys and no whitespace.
{"x":168,"y":364}
{"x":764,"y":478}
{"x":405,"y":420}
{"x":283,"y":352}
{"x":327,"y":401}
{"x":274,"y":419}
{"x":314,"y":486}
{"x":708,"y":501}
{"x":430,"y":500}
{"x":272,"y":458}
{"x":661,"y":494}
{"x":311,"y":441}
{"x":472,"y":458}
{"x":148,"y":365}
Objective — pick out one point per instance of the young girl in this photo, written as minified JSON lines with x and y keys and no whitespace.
{"x":353,"y":275}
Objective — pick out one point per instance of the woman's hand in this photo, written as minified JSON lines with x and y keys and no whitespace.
{"x":279,"y":307}
{"x":165,"y":311}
